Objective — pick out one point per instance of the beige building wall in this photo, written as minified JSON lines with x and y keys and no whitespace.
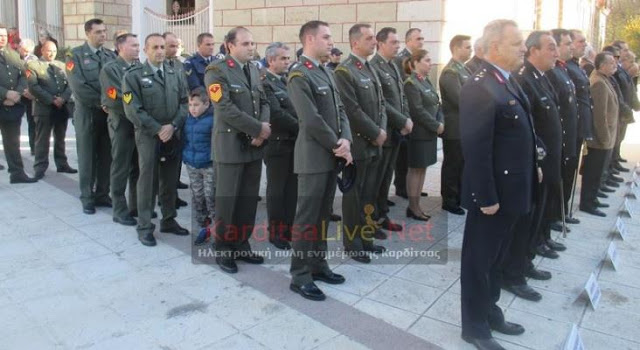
{"x":115,"y":13}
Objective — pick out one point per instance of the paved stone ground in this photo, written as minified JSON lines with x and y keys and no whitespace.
{"x":74,"y":281}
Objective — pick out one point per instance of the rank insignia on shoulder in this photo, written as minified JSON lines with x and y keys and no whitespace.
{"x":295,"y":74}
{"x":230,"y":63}
{"x":127,"y":97}
{"x":215,"y":92}
{"x":112,"y":92}
{"x":499,"y":77}
{"x":308,"y":64}
{"x":358,"y":64}
{"x":188,"y":72}
{"x":70,"y":66}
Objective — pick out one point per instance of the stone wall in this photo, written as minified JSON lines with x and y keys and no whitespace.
{"x":115,"y":13}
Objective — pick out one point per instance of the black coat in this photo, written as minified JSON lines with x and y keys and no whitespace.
{"x":567,"y":101}
{"x":629,"y":96}
{"x":498,"y":144}
{"x":546,"y":118}
{"x":583,"y":95}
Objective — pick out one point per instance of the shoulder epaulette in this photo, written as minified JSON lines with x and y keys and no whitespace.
{"x":294,"y":74}
{"x":341,"y":68}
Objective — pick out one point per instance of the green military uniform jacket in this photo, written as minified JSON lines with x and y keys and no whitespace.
{"x":323,"y":120}
{"x":240,"y":109}
{"x":12,"y":78}
{"x":111,"y":77}
{"x":283,"y":118}
{"x":362,"y":96}
{"x":399,"y":59}
{"x":424,"y":107}
{"x":83,"y":71}
{"x":151,"y":102}
{"x":454,"y":75}
{"x":47,"y":80}
{"x":396,"y":104}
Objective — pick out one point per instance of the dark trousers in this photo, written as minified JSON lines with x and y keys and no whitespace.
{"x":45,"y":125}
{"x":358,"y":207}
{"x":10,"y":130}
{"x":518,"y":257}
{"x":402,"y":167}
{"x":309,"y":244}
{"x":236,"y":203}
{"x":451,"y":174}
{"x":622,"y":132}
{"x":124,"y":165}
{"x":486,"y":241}
{"x":594,"y":172}
{"x":282,"y":194}
{"x":31,"y":123}
{"x":385,"y":174}
{"x":94,"y":153}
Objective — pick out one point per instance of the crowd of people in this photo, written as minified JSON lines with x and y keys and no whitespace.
{"x":516,"y":120}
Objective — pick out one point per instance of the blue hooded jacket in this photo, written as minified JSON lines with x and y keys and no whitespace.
{"x":197,"y":140}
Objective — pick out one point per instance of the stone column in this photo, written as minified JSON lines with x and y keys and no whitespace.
{"x":26,"y":13}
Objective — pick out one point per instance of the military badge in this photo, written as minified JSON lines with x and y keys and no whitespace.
{"x":127,"y":96}
{"x":230,"y":63}
{"x":188,"y":72}
{"x":358,"y":64}
{"x":308,"y":64}
{"x":112,"y":92}
{"x":215,"y":92}
{"x":70,"y":66}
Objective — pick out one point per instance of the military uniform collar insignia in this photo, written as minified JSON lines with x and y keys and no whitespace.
{"x":499,"y":77}
{"x":231,"y":63}
{"x":308,"y":64}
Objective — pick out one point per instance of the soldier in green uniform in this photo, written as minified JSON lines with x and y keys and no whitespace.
{"x":453,"y":76}
{"x":155,"y":101}
{"x":282,"y":182}
{"x":241,"y":128}
{"x":362,"y":96}
{"x":398,"y":121}
{"x":13,"y":85}
{"x":50,"y":89}
{"x":124,"y":164}
{"x":324,"y":137}
{"x":90,"y":121}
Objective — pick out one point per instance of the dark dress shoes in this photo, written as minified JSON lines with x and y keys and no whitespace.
{"x":402,"y":194}
{"x":602,"y":205}
{"x":103,"y":202}
{"x":126,"y":221}
{"x":38,"y":175}
{"x":1,"y":167}
{"x":412,"y":215}
{"x":614,"y":178}
{"x":335,"y":217}
{"x":546,"y":252}
{"x":507,"y":328}
{"x":593,"y":211}
{"x":375,"y":249}
{"x":227,"y":265}
{"x":308,"y":291}
{"x":606,"y":189}
{"x":620,"y":168}
{"x":389,"y":225}
{"x":22,"y":179}
{"x":67,"y":169}
{"x":379,"y":234}
{"x":602,"y":195}
{"x":570,"y":220}
{"x":557,"y":246}
{"x":173,"y":227}
{"x":611,"y":183}
{"x":424,"y":194}
{"x":361,"y":256}
{"x":524,"y":291}
{"x":454,"y":210}
{"x":328,"y":277}
{"x":614,"y":171}
{"x":250,"y":258}
{"x":390,"y":203}
{"x":483,"y":343}
{"x":147,"y":239}
{"x":539,"y":275}
{"x":134,"y":214}
{"x":180,"y":203}
{"x":557,"y":226}
{"x":182,"y":185}
{"x":622,"y":160}
{"x":89,"y":209}
{"x":280,"y":244}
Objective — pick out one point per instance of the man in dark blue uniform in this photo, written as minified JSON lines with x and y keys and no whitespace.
{"x":195,"y":65}
{"x":499,"y":148}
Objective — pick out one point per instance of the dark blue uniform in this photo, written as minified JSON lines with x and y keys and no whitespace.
{"x":194,"y":68}
{"x":498,"y":145}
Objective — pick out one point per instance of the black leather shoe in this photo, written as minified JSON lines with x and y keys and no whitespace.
{"x":126,"y":221}
{"x":614,"y":171}
{"x":402,"y":194}
{"x":390,"y":203}
{"x":38,"y":175}
{"x":602,"y":195}
{"x":620,"y":168}
{"x":173,"y":227}
{"x":557,"y":246}
{"x":539,"y":275}
{"x":602,"y":205}
{"x":180,"y":203}
{"x":22,"y":179}
{"x":508,"y":328}
{"x":309,"y":291}
{"x":572,"y":221}
{"x":104,"y":202}
{"x":546,"y":252}
{"x":227,"y":265}
{"x":454,"y":210}
{"x":259,"y":198}
{"x":280,"y":244}
{"x":147,"y":239}
{"x":424,"y":194}
{"x":361,"y":256}
{"x":389,"y":225}
{"x":622,"y":160}
{"x":182,"y":185}
{"x":67,"y":169}
{"x":614,"y":178}
{"x":483,"y":344}
{"x":557,"y":226}
{"x":379,"y":234}
{"x":250,"y":258}
{"x":335,"y":217}
{"x":89,"y":209}
{"x":611,"y":183}
{"x":593,"y":211}
{"x":606,"y":189}
{"x":328,"y":277}
{"x":411,"y":215}
{"x":524,"y":291}
{"x":1,"y":167}
{"x":375,"y":249}
{"x":134,"y":214}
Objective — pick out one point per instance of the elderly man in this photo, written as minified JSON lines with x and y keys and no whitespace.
{"x":499,"y":148}
{"x":26,"y":54}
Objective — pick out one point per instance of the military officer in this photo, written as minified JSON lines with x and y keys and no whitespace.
{"x":241,"y":128}
{"x":453,"y":76}
{"x":477,"y":60}
{"x":324,"y":137}
{"x":13,"y":84}
{"x":124,"y":165}
{"x":195,"y":65}
{"x":499,"y":149}
{"x":90,"y":121}
{"x":50,"y":89}
{"x":155,"y":101}
{"x":581,"y":83}
{"x":282,"y":182}
{"x":361,"y":94}
{"x":398,"y":121}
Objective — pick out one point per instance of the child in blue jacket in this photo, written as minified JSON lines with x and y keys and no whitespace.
{"x":196,"y":155}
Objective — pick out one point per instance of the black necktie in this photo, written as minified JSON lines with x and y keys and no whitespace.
{"x":247,"y":73}
{"x":100,"y":54}
{"x":159,"y":72}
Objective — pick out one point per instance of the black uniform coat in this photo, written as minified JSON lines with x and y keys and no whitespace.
{"x":566,"y":91}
